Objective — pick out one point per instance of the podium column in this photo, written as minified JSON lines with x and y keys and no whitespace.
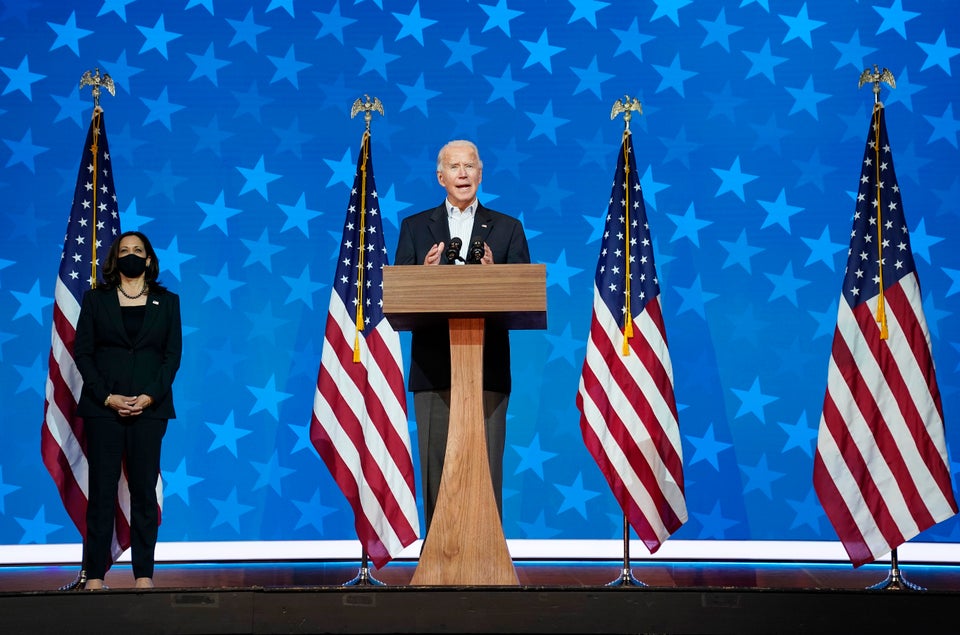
{"x":465,"y":544}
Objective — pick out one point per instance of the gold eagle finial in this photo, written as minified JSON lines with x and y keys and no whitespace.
{"x":97,"y":81}
{"x":367,"y":106}
{"x":876,"y":76}
{"x":626,"y":106}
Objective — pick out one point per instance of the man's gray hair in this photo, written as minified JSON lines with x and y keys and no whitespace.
{"x":458,"y":142}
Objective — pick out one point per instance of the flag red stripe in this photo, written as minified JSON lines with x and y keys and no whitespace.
{"x":902,"y":402}
{"x":628,"y":413}
{"x":881,"y":469}
{"x":62,"y":445}
{"x":871,"y":411}
{"x":903,"y":309}
{"x":359,"y":421}
{"x":392,"y":372}
{"x":621,"y":435}
{"x":62,"y":393}
{"x":61,"y":410}
{"x":840,"y":515}
{"x":859,"y":469}
{"x":638,"y":400}
{"x":660,"y":377}
{"x":618,"y":405}
{"x":611,"y":472}
{"x":343,"y":350}
{"x":343,"y":473}
{"x":653,"y":361}
{"x":58,"y":464}
{"x":352,"y":426}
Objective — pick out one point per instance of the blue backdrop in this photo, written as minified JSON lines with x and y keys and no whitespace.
{"x":233,"y":149}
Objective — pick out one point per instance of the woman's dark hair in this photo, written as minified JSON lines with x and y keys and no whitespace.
{"x":111,"y":274}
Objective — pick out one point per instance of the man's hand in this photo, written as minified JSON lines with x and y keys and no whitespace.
{"x":487,"y":255}
{"x":433,"y":256}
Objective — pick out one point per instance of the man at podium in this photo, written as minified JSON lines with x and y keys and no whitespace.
{"x":458,"y":231}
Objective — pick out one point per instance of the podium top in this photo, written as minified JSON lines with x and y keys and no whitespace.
{"x":513,"y":296}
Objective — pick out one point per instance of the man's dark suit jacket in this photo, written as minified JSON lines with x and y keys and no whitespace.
{"x":111,"y":363}
{"x":430,"y":347}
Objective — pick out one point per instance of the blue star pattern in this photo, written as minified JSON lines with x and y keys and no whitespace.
{"x":233,"y":149}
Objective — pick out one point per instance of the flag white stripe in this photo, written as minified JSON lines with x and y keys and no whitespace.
{"x":646,"y":472}
{"x":860,"y":429}
{"x":69,"y":305}
{"x":638,"y":492}
{"x":860,"y":432}
{"x":647,"y":330}
{"x":369,"y":502}
{"x":395,"y":413}
{"x":846,"y":483}
{"x":882,"y":412}
{"x":913,"y":375}
{"x":891,"y":415}
{"x":62,"y":434}
{"x":360,"y":429}
{"x":68,"y":367}
{"x":345,"y":448}
{"x":638,"y":432}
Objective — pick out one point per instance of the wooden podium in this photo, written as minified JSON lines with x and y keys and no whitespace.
{"x":466,"y":545}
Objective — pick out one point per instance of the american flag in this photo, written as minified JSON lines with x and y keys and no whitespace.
{"x":359,"y":423}
{"x":94,"y":223}
{"x":628,"y":415}
{"x":881,"y":470}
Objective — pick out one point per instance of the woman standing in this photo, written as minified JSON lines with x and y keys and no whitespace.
{"x":127,"y":349}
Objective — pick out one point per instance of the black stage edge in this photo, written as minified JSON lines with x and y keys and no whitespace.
{"x":479,"y":610}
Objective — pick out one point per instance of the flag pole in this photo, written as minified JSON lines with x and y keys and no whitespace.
{"x":96,"y":81}
{"x":627,"y":107}
{"x":367,"y":107}
{"x":626,"y":574}
{"x":894,"y":580}
{"x":875,"y":77}
{"x":364,"y":577}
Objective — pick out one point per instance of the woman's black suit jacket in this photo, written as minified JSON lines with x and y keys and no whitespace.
{"x":430,"y":347}
{"x":111,"y":363}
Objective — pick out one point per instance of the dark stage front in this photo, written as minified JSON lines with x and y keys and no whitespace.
{"x":553,"y":597}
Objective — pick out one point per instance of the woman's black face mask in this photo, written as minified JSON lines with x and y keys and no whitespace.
{"x":132,"y":265}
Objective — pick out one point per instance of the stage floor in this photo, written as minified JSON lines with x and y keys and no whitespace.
{"x":556,"y":597}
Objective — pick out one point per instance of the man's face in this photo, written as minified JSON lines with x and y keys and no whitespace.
{"x":460,"y":174}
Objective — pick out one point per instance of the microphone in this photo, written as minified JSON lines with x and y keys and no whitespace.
{"x":475,"y":254}
{"x":453,"y":250}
